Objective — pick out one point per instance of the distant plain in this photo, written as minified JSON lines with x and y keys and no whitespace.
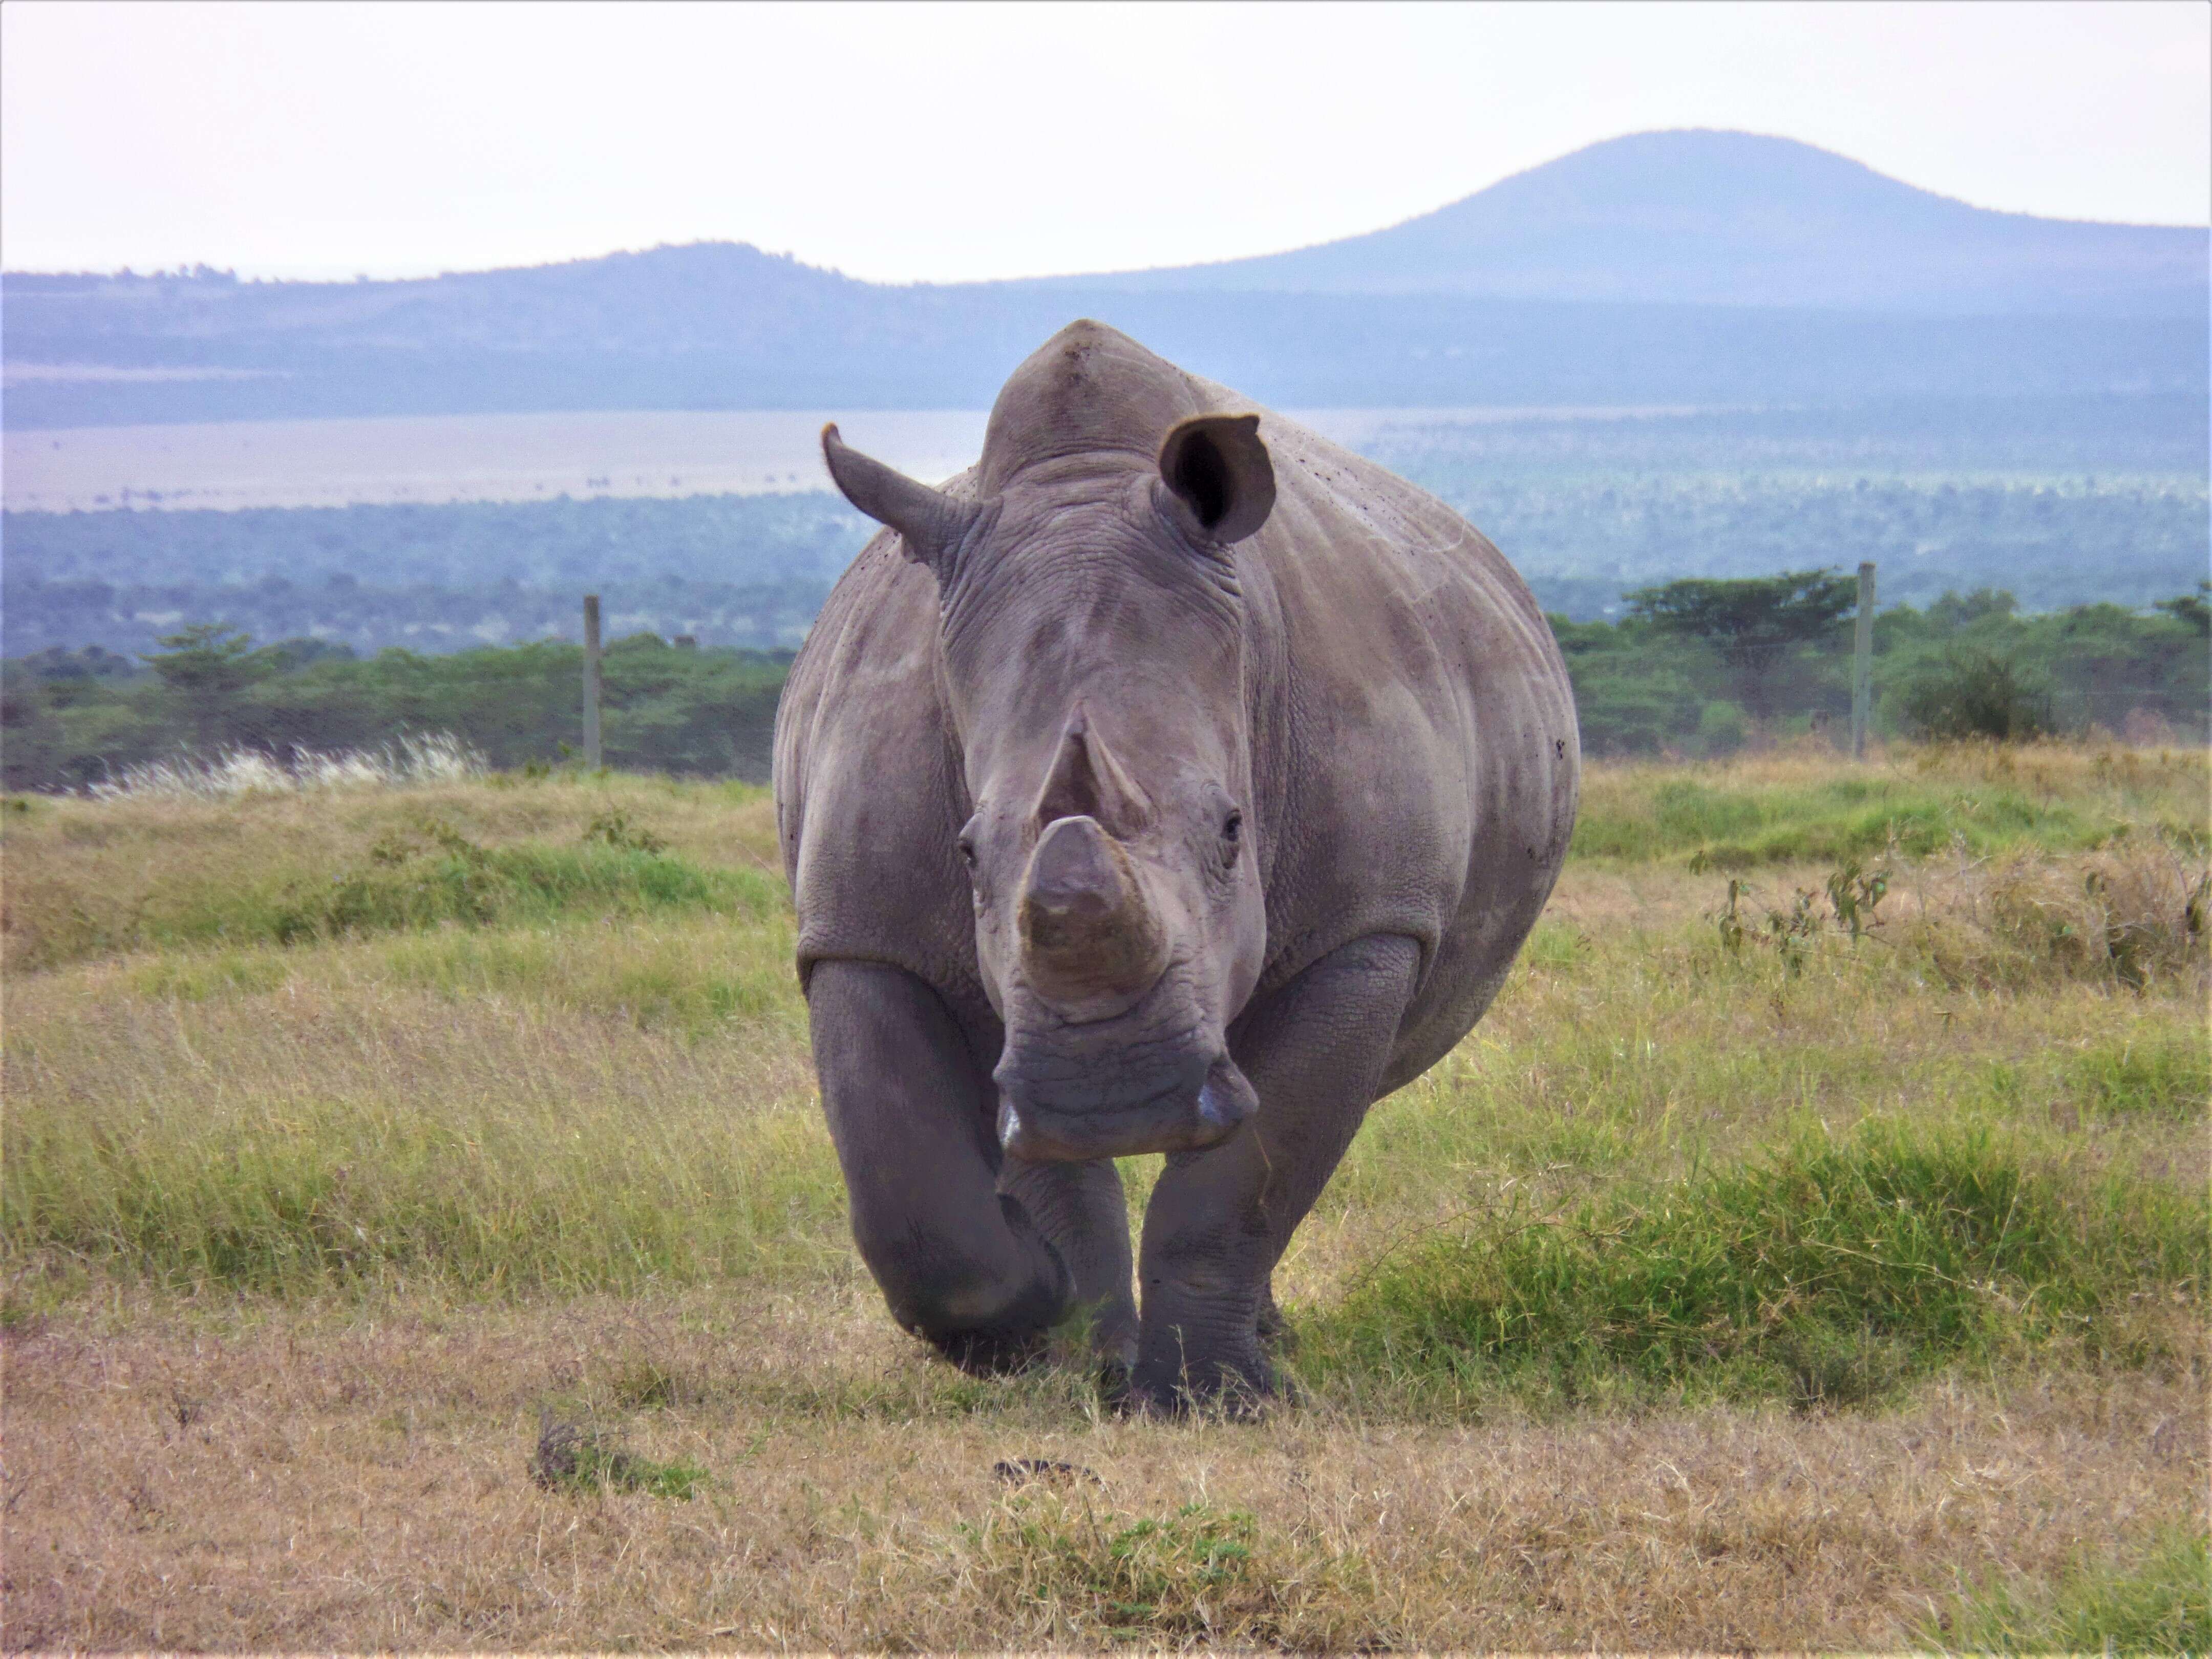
{"x":432,"y":458}
{"x":440,"y":533}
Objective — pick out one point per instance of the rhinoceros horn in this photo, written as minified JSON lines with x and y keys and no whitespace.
{"x":1091,"y":944}
{"x":1090,"y":940}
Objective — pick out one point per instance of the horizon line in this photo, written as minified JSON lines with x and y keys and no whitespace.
{"x":341,"y":277}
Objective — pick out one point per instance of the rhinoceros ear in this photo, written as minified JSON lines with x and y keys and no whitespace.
{"x":1217,"y":469}
{"x":930,"y":522}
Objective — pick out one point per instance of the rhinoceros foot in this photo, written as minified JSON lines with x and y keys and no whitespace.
{"x":1240,"y":1390}
{"x":990,"y":1353}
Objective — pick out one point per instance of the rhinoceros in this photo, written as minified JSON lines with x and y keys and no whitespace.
{"x":1172,"y":781}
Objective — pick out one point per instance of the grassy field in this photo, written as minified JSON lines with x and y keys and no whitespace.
{"x":419,"y":1231}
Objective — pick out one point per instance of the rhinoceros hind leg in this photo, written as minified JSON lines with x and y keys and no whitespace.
{"x":913,"y":1115}
{"x":1218,"y":1221}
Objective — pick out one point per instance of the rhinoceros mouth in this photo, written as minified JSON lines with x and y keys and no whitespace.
{"x":1178,"y":1119}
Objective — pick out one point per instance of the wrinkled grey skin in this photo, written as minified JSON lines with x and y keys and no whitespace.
{"x":1171,"y":781}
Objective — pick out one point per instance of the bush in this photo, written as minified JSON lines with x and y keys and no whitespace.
{"x":1970,"y":691}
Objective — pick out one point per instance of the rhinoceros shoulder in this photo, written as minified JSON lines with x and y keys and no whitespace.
{"x":865,"y":766}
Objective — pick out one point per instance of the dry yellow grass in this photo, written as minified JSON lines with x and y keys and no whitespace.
{"x":252,"y":1479}
{"x":589,"y":1180}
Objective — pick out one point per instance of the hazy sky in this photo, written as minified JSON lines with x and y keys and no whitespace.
{"x":913,"y":142}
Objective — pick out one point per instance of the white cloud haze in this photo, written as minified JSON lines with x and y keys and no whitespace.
{"x":942,"y":143}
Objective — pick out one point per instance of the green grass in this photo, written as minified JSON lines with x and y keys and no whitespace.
{"x":448,"y":879}
{"x":689,"y":974}
{"x":495,"y":1197}
{"x":2168,"y":1078}
{"x":415,"y":889}
{"x":1826,"y":1273}
{"x":2159,"y":1604}
{"x":2154,"y":1077}
{"x":1153,"y":1577}
{"x":1734,"y":829}
{"x":1795,"y":807}
{"x":553,"y":1055}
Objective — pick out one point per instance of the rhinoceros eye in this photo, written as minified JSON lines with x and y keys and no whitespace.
{"x":967,"y":852}
{"x":1232,"y":837}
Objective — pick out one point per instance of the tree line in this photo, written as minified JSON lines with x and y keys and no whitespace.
{"x":1696,"y":667}
{"x":1700,"y":667}
{"x":74,"y":718}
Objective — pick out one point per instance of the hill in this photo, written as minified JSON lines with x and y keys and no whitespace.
{"x":1665,"y":269}
{"x":1733,"y":218}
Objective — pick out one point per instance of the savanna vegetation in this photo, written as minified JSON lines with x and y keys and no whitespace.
{"x":419,"y":1231}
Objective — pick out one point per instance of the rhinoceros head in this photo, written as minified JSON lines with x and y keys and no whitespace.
{"x":1095,"y":670}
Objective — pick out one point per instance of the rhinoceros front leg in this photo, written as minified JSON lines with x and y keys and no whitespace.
{"x":1219,"y":1220}
{"x":1082,"y":1209}
{"x":913,"y":1115}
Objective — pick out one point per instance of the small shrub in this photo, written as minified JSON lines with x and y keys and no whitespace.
{"x":1854,"y":895}
{"x":1727,"y":921}
{"x":1794,"y":930}
{"x":2129,"y":916}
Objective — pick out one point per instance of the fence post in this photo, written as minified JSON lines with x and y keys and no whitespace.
{"x":591,"y":682}
{"x":1862,"y":664}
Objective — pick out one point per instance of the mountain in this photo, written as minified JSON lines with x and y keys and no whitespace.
{"x":1668,"y":268}
{"x":1732,"y":218}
